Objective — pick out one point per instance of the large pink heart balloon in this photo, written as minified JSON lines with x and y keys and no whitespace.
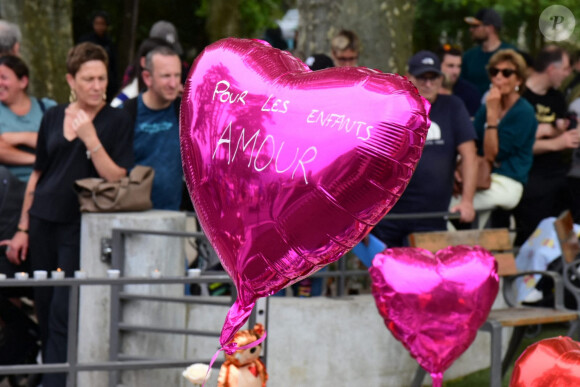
{"x":434,"y":303}
{"x":288,"y":169}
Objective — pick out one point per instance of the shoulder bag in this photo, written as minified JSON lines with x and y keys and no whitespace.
{"x":131,"y":193}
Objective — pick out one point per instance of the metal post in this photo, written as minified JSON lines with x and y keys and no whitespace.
{"x":72,"y":355}
{"x":117,"y":262}
{"x":340,"y":291}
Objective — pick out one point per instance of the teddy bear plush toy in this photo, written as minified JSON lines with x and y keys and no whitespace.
{"x":244,"y":368}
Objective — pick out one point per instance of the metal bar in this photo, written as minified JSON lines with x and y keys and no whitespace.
{"x":144,"y":328}
{"x":118,"y":262}
{"x":11,"y":283}
{"x":423,"y":215}
{"x":102,"y":366}
{"x":130,"y":231}
{"x":184,"y":299}
{"x":341,"y":277}
{"x":72,"y":345}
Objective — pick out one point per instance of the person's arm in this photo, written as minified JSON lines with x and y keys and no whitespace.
{"x":566,"y":140}
{"x":490,"y":135}
{"x":18,"y":245}
{"x":12,"y":155}
{"x":467,"y":151}
{"x":105,"y":166}
{"x":21,"y":138}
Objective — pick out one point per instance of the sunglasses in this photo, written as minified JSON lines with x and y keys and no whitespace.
{"x":505,"y":72}
{"x":346,"y":58}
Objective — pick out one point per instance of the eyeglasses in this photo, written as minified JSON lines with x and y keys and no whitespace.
{"x":426,"y":78}
{"x":505,"y":72}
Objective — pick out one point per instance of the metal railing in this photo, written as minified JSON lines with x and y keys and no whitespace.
{"x":118,"y":361}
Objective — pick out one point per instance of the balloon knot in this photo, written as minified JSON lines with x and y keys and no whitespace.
{"x":230,"y":348}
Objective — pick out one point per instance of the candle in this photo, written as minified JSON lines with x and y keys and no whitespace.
{"x":57,"y":274}
{"x":2,"y":276}
{"x":40,"y":274}
{"x":155,"y":274}
{"x":79,"y":274}
{"x":21,"y":276}
{"x":193,"y":272}
{"x":113,"y":273}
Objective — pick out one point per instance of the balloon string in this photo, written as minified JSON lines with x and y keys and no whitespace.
{"x":230,"y":348}
{"x":437,"y":379}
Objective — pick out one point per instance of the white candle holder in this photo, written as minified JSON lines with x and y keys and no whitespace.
{"x":156,"y":274}
{"x":113,"y":273}
{"x":193,"y":272}
{"x":3,"y":276}
{"x":79,"y":274}
{"x":57,"y":274}
{"x":40,"y":274}
{"x":21,"y":275}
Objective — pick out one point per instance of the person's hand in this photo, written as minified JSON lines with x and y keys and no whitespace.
{"x":466,"y":211}
{"x":16,"y":248}
{"x":83,"y":126}
{"x":569,"y":139}
{"x":562,"y":124}
{"x":493,"y":104}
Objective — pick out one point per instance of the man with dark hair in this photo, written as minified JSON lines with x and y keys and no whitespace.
{"x":484,"y":29}
{"x":156,"y":113}
{"x":431,"y":187}
{"x":10,"y":37}
{"x":345,"y":47}
{"x":451,"y":62}
{"x":546,"y":193}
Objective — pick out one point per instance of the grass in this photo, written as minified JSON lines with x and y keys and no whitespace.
{"x":481,"y":378}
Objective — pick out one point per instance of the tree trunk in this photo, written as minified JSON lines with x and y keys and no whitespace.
{"x":126,"y":51}
{"x":383,"y":27}
{"x":46,"y":38}
{"x":223,"y":19}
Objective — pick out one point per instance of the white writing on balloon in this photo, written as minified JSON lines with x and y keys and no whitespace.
{"x":226,"y":139}
{"x":339,"y":121}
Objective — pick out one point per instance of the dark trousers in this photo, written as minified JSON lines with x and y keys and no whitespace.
{"x":543,"y":197}
{"x":395,"y":233}
{"x":11,"y":195}
{"x":53,"y":245}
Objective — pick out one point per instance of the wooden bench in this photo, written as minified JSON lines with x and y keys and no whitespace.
{"x":498,"y":242}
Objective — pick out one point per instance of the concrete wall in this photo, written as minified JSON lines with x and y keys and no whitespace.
{"x":316,"y":342}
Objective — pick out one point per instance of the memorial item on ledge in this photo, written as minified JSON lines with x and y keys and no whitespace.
{"x":434,"y":303}
{"x":552,"y":362}
{"x":131,"y":193}
{"x":288,"y":169}
{"x":197,"y":374}
{"x":244,"y":368}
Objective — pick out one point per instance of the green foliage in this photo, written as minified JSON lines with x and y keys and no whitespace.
{"x":255,"y":15}
{"x":438,"y":21}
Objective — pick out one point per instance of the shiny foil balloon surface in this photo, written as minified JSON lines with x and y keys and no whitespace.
{"x":434,"y":303}
{"x":553,"y":362}
{"x":288,"y":169}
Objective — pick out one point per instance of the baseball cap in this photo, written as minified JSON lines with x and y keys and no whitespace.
{"x":424,"y":62}
{"x":485,"y":16}
{"x":166,"y":31}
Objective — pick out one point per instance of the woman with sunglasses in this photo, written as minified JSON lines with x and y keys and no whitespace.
{"x":505,"y":126}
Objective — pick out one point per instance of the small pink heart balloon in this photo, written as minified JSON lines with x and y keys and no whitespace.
{"x":434,"y":303}
{"x":288,"y":169}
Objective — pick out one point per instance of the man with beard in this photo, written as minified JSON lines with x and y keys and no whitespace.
{"x":484,"y":29}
